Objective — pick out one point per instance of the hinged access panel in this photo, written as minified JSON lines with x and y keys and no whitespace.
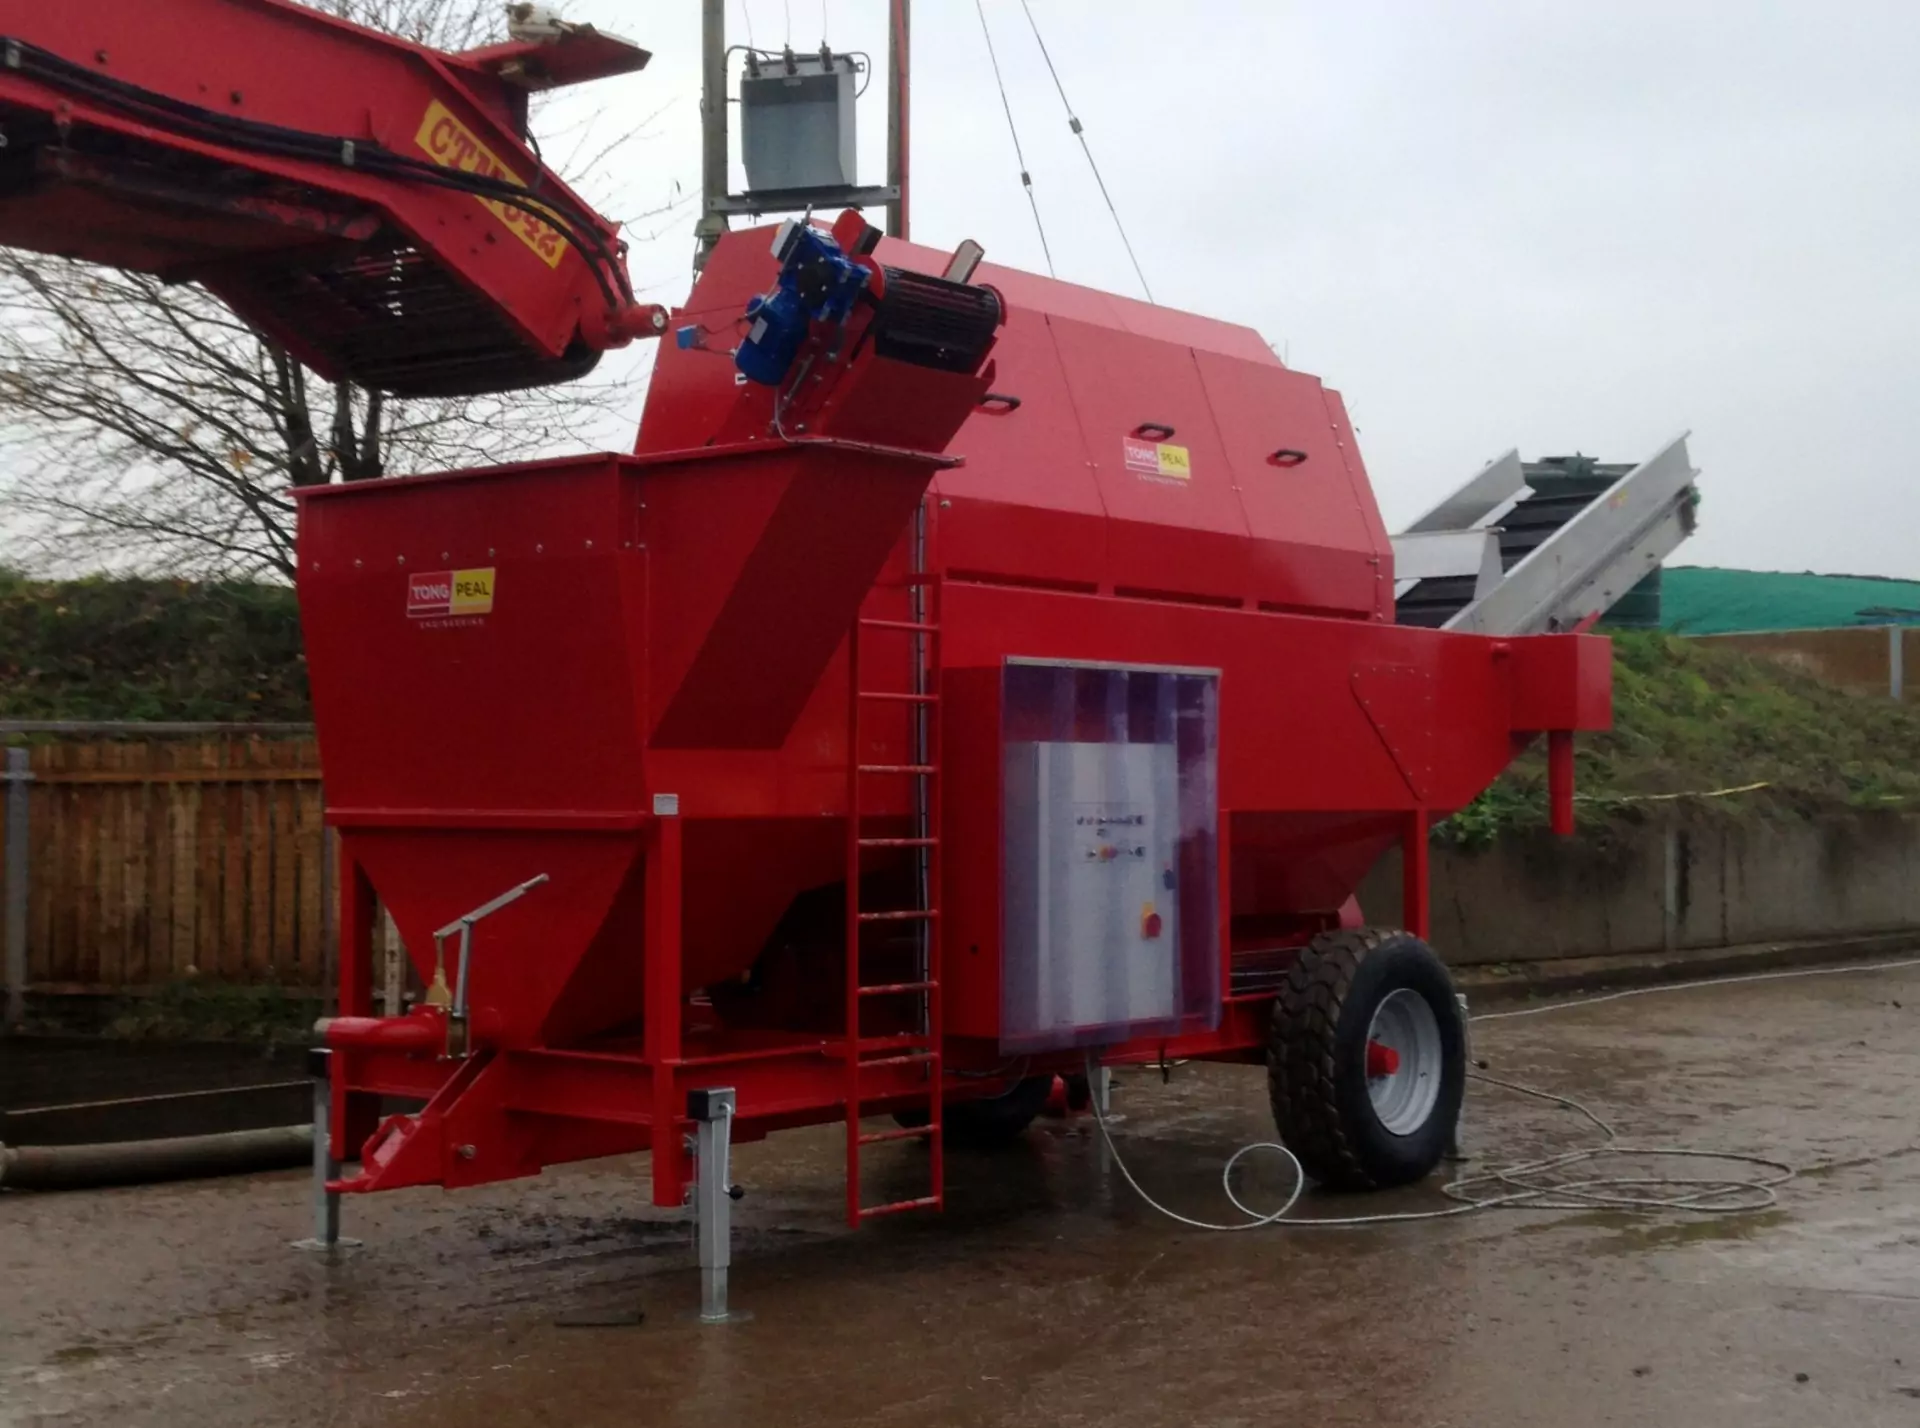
{"x":1109,"y":916}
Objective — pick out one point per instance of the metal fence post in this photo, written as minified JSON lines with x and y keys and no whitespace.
{"x":1897,"y":662}
{"x":1672,"y":855}
{"x":18,"y":776}
{"x":393,"y":962}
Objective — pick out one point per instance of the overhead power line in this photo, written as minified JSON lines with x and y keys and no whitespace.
{"x":1080,"y":133}
{"x":1026,"y":178}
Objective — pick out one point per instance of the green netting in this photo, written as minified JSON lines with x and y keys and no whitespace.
{"x":1703,"y":600}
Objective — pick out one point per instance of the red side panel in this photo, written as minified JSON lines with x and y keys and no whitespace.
{"x":1319,"y":544}
{"x":1299,"y":862}
{"x":1293,"y":734}
{"x":1026,"y":505}
{"x":762,"y":562}
{"x":1174,"y":522}
{"x":695,"y":396}
{"x":556,"y":946}
{"x":1562,"y":682}
{"x":523,"y":701}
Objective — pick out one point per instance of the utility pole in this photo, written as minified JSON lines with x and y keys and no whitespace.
{"x":713,"y":130}
{"x":899,"y":70}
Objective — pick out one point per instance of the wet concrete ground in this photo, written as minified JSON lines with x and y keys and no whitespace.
{"x":1048,"y":1294}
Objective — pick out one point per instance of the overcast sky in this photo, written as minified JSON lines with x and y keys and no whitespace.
{"x":1552,"y":225}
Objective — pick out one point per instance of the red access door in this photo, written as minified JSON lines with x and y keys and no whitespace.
{"x":1174,"y":522}
{"x":1319,"y":546}
{"x":1025,"y":506}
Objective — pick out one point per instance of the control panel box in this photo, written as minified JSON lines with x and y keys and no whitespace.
{"x":1091,"y":885}
{"x":1108,"y":923}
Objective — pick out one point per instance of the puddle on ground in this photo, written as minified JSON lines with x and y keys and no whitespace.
{"x":1633,"y":1234}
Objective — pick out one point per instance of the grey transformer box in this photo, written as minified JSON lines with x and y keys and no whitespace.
{"x":796,"y":120}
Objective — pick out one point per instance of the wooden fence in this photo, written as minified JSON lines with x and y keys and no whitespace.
{"x":1868,"y":659}
{"x":153,"y":860}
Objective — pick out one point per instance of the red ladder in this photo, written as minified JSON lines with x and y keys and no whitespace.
{"x":864,"y":1054}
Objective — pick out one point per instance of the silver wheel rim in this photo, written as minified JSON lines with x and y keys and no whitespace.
{"x":1404,"y":1097}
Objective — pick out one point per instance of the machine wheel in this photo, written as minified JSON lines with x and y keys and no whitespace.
{"x":993,"y":1121}
{"x":1366,"y":1059}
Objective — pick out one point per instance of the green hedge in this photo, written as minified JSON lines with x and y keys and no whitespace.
{"x":149,"y":649}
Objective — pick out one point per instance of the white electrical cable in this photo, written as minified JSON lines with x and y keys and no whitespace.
{"x":1719,"y":1195}
{"x":1702,"y":982}
{"x":1531,"y":1185}
{"x":1255,"y":1220}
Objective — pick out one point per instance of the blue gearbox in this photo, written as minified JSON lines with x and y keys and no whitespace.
{"x":818,"y":283}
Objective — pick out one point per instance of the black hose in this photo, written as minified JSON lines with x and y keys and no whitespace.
{"x":139,"y":1162}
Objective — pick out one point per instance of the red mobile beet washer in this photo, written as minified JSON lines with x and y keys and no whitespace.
{"x":883,"y":741}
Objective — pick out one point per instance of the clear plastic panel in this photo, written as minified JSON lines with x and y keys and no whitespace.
{"x":1110,"y":899}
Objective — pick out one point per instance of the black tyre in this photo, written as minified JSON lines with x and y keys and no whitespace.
{"x":990,"y":1122}
{"x":1367,"y":1059}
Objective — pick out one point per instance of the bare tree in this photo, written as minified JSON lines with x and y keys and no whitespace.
{"x":143,"y":425}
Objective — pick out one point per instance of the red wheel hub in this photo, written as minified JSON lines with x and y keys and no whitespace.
{"x":1382,"y":1060}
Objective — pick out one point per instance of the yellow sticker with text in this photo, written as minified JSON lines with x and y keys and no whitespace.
{"x":1157,"y":458}
{"x":472,"y":592}
{"x":452,"y":145}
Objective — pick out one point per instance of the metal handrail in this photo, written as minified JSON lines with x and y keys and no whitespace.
{"x":463,"y":925}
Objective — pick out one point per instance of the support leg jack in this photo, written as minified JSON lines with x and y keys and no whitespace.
{"x":713,"y":1197}
{"x":326,"y":1203}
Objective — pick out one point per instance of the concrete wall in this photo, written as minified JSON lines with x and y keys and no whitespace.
{"x":1679,"y":887}
{"x":1861,"y":658}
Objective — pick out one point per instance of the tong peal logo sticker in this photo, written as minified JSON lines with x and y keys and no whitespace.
{"x":440,"y":593}
{"x":1157,"y":458}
